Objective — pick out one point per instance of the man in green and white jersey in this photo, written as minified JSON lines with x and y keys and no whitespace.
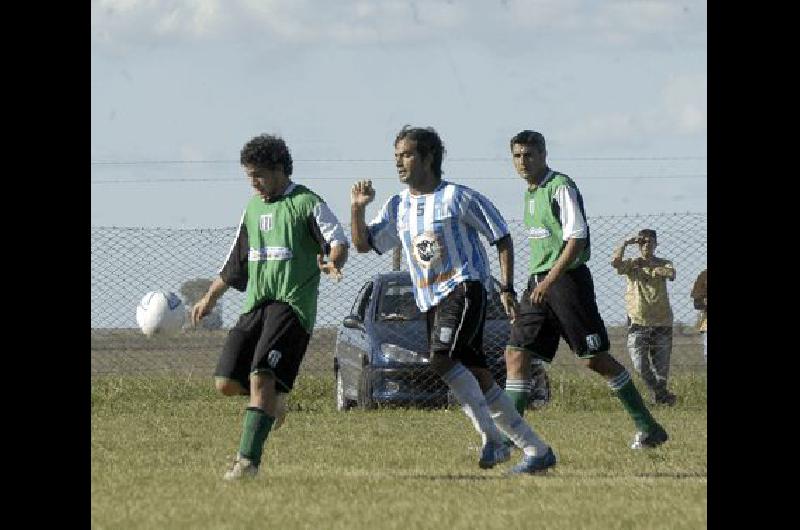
{"x":559,"y":300}
{"x":276,"y":259}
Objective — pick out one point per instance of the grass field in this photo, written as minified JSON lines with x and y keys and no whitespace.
{"x":160,"y":445}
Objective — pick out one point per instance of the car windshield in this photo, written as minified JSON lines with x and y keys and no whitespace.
{"x":397,"y":302}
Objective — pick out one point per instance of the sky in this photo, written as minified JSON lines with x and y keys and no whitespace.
{"x":618,"y":88}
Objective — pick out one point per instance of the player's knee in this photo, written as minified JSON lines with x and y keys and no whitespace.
{"x":228,"y":387}
{"x":602,"y":363}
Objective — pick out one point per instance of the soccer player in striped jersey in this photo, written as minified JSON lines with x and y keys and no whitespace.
{"x":439,"y":224}
{"x":276,"y":258}
{"x":559,"y":300}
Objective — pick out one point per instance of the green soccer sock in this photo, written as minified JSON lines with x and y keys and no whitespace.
{"x":255,"y":430}
{"x":626,"y":391}
{"x":519,"y":391}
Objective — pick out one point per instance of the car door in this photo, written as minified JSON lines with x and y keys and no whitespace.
{"x":352,"y":343}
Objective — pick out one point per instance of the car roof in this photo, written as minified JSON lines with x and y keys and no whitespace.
{"x":396,"y":276}
{"x":401,"y":277}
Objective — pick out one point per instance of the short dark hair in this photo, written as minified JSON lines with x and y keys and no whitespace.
{"x":647,"y":232}
{"x":267,"y":151}
{"x":428,"y":141}
{"x":528,"y":137}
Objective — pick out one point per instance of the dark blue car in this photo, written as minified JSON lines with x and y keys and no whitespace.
{"x":381,"y":354}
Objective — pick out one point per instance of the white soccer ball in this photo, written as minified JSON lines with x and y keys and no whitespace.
{"x":160,"y":313}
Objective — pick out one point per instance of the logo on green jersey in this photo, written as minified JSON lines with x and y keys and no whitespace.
{"x":538,"y":233}
{"x":265,"y":222}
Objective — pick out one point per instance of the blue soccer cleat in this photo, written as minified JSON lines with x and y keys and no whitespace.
{"x":535,"y":464}
{"x":493,"y":453}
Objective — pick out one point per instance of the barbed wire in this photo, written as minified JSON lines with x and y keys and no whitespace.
{"x":370,"y":160}
{"x":240,"y":179}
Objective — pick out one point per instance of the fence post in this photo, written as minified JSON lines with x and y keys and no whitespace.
{"x":396,"y":254}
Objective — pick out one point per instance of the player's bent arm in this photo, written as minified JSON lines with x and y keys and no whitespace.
{"x":571,"y":251}
{"x":358,"y":228}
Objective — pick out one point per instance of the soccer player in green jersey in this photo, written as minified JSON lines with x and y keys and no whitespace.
{"x":559,"y":300}
{"x":276,"y":258}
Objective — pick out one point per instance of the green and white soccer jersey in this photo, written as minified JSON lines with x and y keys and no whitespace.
{"x":554,"y":214}
{"x":275,"y":253}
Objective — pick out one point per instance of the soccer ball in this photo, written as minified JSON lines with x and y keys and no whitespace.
{"x":160,"y":313}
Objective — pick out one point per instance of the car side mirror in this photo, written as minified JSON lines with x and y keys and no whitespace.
{"x":353,"y":322}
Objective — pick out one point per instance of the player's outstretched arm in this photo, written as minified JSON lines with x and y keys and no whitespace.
{"x":208,"y":301}
{"x":361,"y":194}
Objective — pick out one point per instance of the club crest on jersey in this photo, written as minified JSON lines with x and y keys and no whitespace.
{"x":593,"y":342}
{"x":427,"y":250}
{"x":265,"y":222}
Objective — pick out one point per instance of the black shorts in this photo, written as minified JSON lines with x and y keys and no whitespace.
{"x":270,"y":339}
{"x":455,"y":325}
{"x":569,"y":310}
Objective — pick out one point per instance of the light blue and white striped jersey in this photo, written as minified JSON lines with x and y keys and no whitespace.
{"x":439,"y":232}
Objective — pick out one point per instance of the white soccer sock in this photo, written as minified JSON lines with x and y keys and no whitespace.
{"x":468,"y":392}
{"x":506,"y":417}
{"x":519,"y":385}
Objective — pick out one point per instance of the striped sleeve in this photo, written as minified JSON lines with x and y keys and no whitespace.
{"x":481,"y":214}
{"x":234,"y":271}
{"x":573,"y":224}
{"x":382,"y":230}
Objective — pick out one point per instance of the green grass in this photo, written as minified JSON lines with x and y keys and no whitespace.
{"x":160,"y":446}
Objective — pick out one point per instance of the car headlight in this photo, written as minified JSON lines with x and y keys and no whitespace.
{"x":394,"y":353}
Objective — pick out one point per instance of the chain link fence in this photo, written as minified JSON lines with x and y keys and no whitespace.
{"x":128,"y":262}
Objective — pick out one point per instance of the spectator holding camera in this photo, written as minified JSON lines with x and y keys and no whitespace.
{"x":649,"y":312}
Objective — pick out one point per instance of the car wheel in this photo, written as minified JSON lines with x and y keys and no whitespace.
{"x":342,"y":403}
{"x":365,"y":400}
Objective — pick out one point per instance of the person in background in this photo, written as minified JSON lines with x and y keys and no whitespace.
{"x":700,"y":298}
{"x":649,"y":312}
